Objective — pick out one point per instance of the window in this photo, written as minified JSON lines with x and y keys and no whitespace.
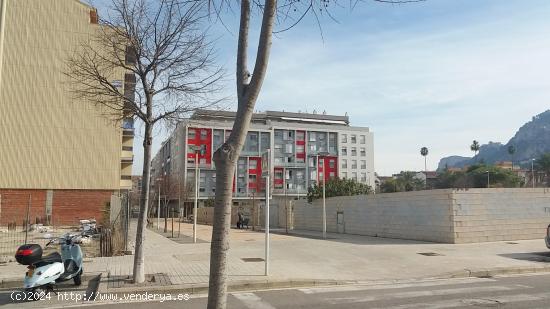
{"x":353,"y":163}
{"x":253,"y":164}
{"x":191,"y":160}
{"x":344,"y":138}
{"x":202,"y":179}
{"x":344,"y":163}
{"x":344,"y":151}
{"x":363,"y":152}
{"x":312,"y":136}
{"x":300,"y":149}
{"x":362,"y":139}
{"x":313,"y":148}
{"x":354,"y":139}
{"x":204,"y":134}
{"x":332,"y":163}
{"x":202,"y":161}
{"x":192,"y":134}
{"x":264,"y":141}
{"x":354,"y":176}
{"x":332,"y":175}
{"x":363,"y":164}
{"x":288,"y":148}
{"x":344,"y":175}
{"x":251,"y":178}
{"x":363,"y":177}
{"x":300,"y":135}
{"x":353,"y":151}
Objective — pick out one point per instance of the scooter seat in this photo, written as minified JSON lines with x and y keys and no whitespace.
{"x":49,"y":259}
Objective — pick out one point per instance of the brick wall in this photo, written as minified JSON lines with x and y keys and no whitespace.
{"x":68,"y":206}
{"x":14,"y":203}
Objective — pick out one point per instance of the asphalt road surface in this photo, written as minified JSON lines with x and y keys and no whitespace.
{"x":521,"y":291}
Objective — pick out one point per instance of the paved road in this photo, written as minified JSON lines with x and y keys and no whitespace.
{"x":525,"y":291}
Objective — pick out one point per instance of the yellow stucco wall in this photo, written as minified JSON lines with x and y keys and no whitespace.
{"x":47,"y":139}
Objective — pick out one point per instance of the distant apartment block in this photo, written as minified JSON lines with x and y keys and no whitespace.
{"x":306,"y":148}
{"x":60,"y":151}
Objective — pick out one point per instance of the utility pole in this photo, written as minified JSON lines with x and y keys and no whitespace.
{"x":158,"y":207}
{"x":267,"y":225}
{"x":196,"y":196}
{"x":488,"y":184}
{"x":324,"y":208}
{"x":286,"y":209}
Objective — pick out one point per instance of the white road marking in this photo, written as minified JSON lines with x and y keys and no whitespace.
{"x":252,"y":301}
{"x":412,"y":294}
{"x":350,"y":288}
{"x":461,"y":302}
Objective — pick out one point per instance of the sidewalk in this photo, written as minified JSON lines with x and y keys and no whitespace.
{"x":303,"y":255}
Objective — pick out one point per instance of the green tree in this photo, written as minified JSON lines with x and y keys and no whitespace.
{"x":338,"y":187}
{"x":543,"y":165}
{"x":405,"y":182}
{"x":474,"y":147}
{"x":476,"y":177}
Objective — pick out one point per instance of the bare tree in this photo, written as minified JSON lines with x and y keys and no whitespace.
{"x":162,"y":48}
{"x":248,"y":89}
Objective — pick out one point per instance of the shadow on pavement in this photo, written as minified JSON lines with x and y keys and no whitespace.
{"x":541,"y":257}
{"x":181,"y":239}
{"x":349,"y":238}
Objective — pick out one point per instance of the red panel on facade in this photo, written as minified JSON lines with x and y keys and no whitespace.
{"x":199,"y":137}
{"x":255,"y":171}
{"x":278,"y":178}
{"x":329,"y":168}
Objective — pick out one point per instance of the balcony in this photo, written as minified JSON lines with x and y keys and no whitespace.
{"x":290,"y":164}
{"x":126,"y":156}
{"x":125,"y":184}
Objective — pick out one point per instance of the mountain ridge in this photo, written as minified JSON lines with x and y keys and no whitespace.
{"x":530,"y":141}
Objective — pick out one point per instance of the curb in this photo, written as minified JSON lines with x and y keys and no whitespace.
{"x":232,"y":287}
{"x":486,"y":273}
{"x":18,"y":282}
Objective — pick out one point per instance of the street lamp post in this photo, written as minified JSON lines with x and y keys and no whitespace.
{"x":158,"y":207}
{"x":196,"y":196}
{"x":533,"y":172}
{"x":324,"y":191}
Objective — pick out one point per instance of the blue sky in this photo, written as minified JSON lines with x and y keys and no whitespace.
{"x":439,"y":73}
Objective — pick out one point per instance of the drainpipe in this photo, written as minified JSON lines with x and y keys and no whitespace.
{"x":3,"y":4}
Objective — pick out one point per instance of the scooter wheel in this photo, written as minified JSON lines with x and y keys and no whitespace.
{"x":78,"y":279}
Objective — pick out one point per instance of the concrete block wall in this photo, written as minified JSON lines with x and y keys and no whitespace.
{"x":482,"y":215}
{"x":421,"y":215}
{"x":447,"y":216}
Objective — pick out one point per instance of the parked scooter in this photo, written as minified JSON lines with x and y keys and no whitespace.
{"x":44,"y":272}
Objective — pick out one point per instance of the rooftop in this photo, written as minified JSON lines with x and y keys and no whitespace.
{"x":283,"y":116}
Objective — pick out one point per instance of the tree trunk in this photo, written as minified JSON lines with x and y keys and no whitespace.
{"x":139,"y":260}
{"x":226,"y":156}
